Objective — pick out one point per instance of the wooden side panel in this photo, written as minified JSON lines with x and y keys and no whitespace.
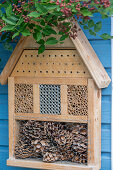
{"x":94,"y":124}
{"x":11,"y":115}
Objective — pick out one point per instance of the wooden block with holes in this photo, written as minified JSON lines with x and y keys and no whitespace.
{"x":55,"y":105}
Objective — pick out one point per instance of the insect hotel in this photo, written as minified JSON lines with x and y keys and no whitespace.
{"x":55,"y":105}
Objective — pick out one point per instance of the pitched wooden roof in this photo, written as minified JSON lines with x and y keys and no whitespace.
{"x":81,"y":43}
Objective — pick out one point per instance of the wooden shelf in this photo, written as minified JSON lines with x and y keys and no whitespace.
{"x":49,"y":166}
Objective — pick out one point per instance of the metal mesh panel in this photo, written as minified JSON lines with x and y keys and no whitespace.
{"x":23,"y":98}
{"x":52,"y":141}
{"x":77,"y":100}
{"x":50,"y":101}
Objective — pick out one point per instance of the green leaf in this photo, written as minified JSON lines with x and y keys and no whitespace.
{"x":37,"y":36}
{"x":26,"y":32}
{"x":92,"y":32}
{"x":51,"y":41}
{"x":91,"y":23}
{"x":98,"y":26}
{"x":42,"y":22}
{"x":106,"y":36}
{"x":9,"y":21}
{"x":63,"y":37}
{"x":34,"y":14}
{"x":16,"y":34}
{"x":7,"y":28}
{"x":85,"y":27}
{"x":9,"y":10}
{"x":40,"y":8}
{"x":85,"y":12}
{"x":41,"y":49}
{"x":38,"y":28}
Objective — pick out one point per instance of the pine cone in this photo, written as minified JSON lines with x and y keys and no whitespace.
{"x":50,"y":157}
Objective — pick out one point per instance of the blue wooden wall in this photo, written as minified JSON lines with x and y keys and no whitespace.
{"x":103,"y":50}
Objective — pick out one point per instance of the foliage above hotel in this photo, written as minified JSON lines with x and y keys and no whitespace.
{"x":48,"y":19}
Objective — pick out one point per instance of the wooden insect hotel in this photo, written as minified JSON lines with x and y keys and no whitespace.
{"x":55,"y":105}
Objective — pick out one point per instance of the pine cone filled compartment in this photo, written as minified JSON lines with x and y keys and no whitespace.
{"x":52,"y":141}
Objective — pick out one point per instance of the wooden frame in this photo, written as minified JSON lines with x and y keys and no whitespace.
{"x":94,"y":123}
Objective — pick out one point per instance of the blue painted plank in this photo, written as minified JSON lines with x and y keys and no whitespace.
{"x":106,"y":161}
{"x":106,"y":138}
{"x":103,"y":51}
{"x":106,"y":109}
{"x":4,"y":133}
{"x":3,"y":89}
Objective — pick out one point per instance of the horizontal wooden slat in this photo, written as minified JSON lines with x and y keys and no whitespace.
{"x":47,"y":117}
{"x":40,"y":80}
{"x":49,"y":166}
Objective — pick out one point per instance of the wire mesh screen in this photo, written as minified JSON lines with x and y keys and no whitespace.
{"x":77,"y":100}
{"x":50,"y":100}
{"x":23,"y":98}
{"x":52,"y":141}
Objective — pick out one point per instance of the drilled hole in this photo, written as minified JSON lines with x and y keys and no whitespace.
{"x":49,"y":55}
{"x":31,"y":55}
{"x":55,"y":55}
{"x":71,"y":72}
{"x":65,"y":72}
{"x":53,"y":63}
{"x":22,"y":63}
{"x":46,"y":63}
{"x":46,"y":71}
{"x":28,"y":63}
{"x":37,"y":55}
{"x":34,"y":71}
{"x":34,"y":63}
{"x":74,"y":55}
{"x":17,"y":71}
{"x":67,"y":55}
{"x":84,"y":72}
{"x":25,"y":55}
{"x":72,"y":64}
{"x":61,"y":55}
{"x":52,"y":71}
{"x":43,"y":55}
{"x":29,"y":71}
{"x":58,"y":71}
{"x":23,"y":71}
{"x":40,"y":63}
{"x":40,"y":71}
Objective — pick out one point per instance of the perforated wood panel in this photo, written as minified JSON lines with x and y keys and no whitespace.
{"x":51,"y":63}
{"x":23,"y":98}
{"x":50,"y":100}
{"x":77,"y":100}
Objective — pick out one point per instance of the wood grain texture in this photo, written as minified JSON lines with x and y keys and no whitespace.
{"x":45,"y":117}
{"x":53,"y":80}
{"x":49,"y":166}
{"x":91,"y":60}
{"x":51,"y":63}
{"x":11,"y":115}
{"x":94,"y":120}
{"x":12,"y":60}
